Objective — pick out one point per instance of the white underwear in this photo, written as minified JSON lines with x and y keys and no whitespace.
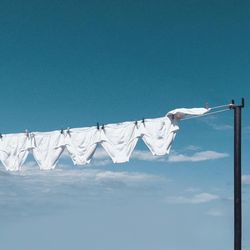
{"x":119,"y":140}
{"x":48,"y":146}
{"x":81,"y":144}
{"x":182,"y":112}
{"x":158,"y":134}
{"x":14,"y":149}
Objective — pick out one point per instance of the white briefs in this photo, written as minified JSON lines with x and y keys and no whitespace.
{"x":158,"y":134}
{"x":14,"y":149}
{"x":48,"y":147}
{"x":118,"y":140}
{"x":81,"y":144}
{"x":180,"y":113}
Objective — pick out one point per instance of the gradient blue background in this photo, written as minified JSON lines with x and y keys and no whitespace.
{"x":75,"y":63}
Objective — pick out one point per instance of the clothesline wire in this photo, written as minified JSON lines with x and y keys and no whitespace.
{"x":187,"y":118}
{"x":207,"y":114}
{"x":221,"y":106}
{"x":47,"y":148}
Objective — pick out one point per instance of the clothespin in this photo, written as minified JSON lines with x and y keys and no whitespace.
{"x":27,"y":132}
{"x":62,"y":131}
{"x":1,"y":136}
{"x":206,"y":105}
{"x":102,"y":126}
{"x":143,"y":121}
{"x":136,"y":123}
{"x":97,"y":126}
{"x":68,"y":130}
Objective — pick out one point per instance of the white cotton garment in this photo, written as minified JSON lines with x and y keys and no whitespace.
{"x":14,"y":149}
{"x":48,"y":147}
{"x":158,"y":134}
{"x":182,"y":112}
{"x":119,"y":140}
{"x":81,"y":144}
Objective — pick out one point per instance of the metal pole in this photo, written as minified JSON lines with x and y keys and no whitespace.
{"x":237,"y":176}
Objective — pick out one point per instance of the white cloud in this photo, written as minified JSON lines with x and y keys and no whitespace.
{"x":222,"y":126}
{"x":101,"y":158}
{"x":191,"y":154}
{"x":175,"y":157}
{"x":32,"y":188}
{"x":246,"y":179}
{"x":192,"y":148}
{"x":85,"y":176}
{"x":101,"y":162}
{"x":100,"y":154}
{"x":195,"y":199}
{"x":198,"y":156}
{"x":214,"y":212}
{"x":125,"y":177}
{"x":145,"y":155}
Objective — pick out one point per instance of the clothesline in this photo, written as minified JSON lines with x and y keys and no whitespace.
{"x":98,"y":125}
{"x":210,"y":113}
{"x":222,"y":106}
{"x":229,"y":106}
{"x":117,"y":139}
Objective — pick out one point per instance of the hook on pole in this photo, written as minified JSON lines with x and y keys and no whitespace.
{"x":242,"y":102}
{"x":233,"y":105}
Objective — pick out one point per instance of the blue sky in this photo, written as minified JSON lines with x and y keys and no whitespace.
{"x":75,"y":63}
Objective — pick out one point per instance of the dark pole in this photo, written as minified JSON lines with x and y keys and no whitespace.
{"x":237,"y":175}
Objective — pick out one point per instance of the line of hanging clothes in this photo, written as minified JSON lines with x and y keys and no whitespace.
{"x":118,"y":140}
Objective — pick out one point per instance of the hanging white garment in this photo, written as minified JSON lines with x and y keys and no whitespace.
{"x":158,"y":134}
{"x":181,"y":112}
{"x":81,"y":144}
{"x":119,"y":140}
{"x":14,"y":149}
{"x":48,"y":146}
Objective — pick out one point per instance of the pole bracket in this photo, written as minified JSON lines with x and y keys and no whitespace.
{"x":233,"y":105}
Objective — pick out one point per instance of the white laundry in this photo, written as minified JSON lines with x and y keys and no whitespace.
{"x":81,"y":144}
{"x":48,"y":147}
{"x":119,"y":140}
{"x":14,"y":149}
{"x":181,"y":112}
{"x":158,"y":134}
